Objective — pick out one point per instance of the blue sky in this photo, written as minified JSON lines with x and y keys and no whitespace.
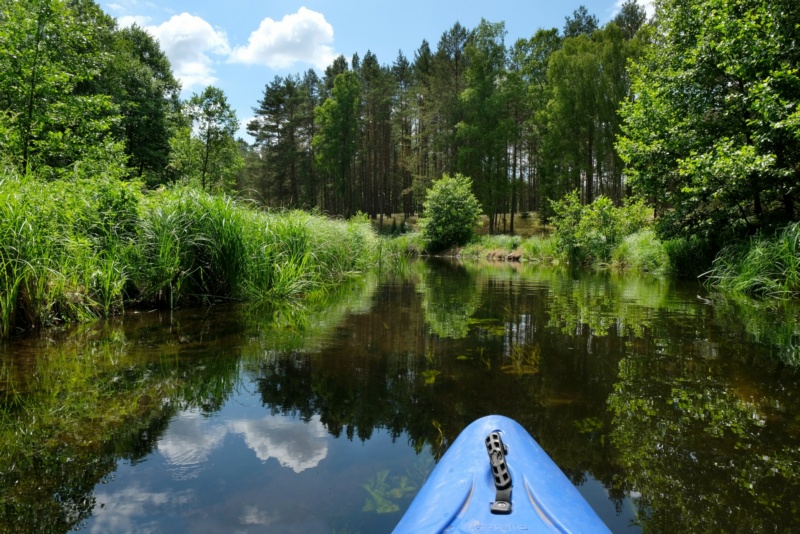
{"x":241,"y":45}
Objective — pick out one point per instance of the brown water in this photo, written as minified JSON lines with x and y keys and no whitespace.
{"x":670,"y":409}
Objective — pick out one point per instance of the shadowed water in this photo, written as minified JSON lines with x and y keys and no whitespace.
{"x":670,"y":409}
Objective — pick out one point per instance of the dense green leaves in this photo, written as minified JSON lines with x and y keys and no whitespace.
{"x":451,"y":213}
{"x":592,"y":233}
{"x":335,"y":138}
{"x":204,"y":151}
{"x":79,"y":97}
{"x":51,"y":120}
{"x":710,"y":136}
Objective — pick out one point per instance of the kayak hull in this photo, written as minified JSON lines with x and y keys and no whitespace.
{"x":458,"y":494}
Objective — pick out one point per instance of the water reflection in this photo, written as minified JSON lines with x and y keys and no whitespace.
{"x":298,"y":445}
{"x":670,"y":408}
{"x":188,"y":443}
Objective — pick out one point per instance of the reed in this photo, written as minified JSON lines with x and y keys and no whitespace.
{"x":642,"y":252}
{"x":71,"y":251}
{"x":491,"y":246}
{"x":764,"y":266}
{"x":542,"y":249}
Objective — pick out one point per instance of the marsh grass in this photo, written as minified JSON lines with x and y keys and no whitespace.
{"x":492,"y":246}
{"x":642,"y":252}
{"x":542,"y":250}
{"x":764,"y":266}
{"x":82,"y":249}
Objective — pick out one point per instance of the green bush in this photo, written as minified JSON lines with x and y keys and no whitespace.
{"x":451,"y":213}
{"x":590,"y":234}
{"x":541,"y":249}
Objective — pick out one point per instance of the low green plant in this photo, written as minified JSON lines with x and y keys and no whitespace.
{"x":76,"y":250}
{"x":689,"y":257}
{"x":492,"y":244}
{"x":542,"y":249}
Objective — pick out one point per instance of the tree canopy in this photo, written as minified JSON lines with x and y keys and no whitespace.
{"x":711,"y":132}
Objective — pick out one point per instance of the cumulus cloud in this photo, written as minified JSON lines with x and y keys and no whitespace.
{"x":302,"y":37}
{"x":122,"y":510}
{"x":129,"y":20}
{"x":189,"y":43}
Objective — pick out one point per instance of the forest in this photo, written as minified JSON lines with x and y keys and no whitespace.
{"x":694,"y":112}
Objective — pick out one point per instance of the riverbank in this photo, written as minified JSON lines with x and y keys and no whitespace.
{"x":82,"y":249}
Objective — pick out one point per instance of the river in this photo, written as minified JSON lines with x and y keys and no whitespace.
{"x":670,"y":408}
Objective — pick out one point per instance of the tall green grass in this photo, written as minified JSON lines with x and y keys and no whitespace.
{"x":764,"y":266}
{"x":642,"y":252}
{"x":81,"y":249}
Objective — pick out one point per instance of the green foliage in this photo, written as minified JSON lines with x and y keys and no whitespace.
{"x":491,"y":244}
{"x":590,"y":234}
{"x":485,"y":130}
{"x":542,"y":250}
{"x":51,"y":120}
{"x":689,"y":257}
{"x":140,"y":81}
{"x":710,"y":138}
{"x":766,"y":266}
{"x":451,"y":213}
{"x":642,"y":252}
{"x":72,"y":250}
{"x":335,"y":138}
{"x":204,"y":151}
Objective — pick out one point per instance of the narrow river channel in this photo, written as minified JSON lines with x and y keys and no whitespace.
{"x":670,"y":409}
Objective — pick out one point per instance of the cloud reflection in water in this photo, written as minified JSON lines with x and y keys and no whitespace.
{"x":192,"y":438}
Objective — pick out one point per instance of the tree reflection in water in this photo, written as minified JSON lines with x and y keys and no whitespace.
{"x":683,"y":406}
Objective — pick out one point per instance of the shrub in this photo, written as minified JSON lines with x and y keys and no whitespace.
{"x":589,"y":234}
{"x":451,"y":213}
{"x":690,"y":257}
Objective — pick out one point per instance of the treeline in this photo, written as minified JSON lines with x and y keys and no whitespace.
{"x":527,"y":122}
{"x":695,"y":111}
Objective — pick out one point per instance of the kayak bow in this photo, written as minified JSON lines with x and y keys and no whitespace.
{"x":496,"y":478}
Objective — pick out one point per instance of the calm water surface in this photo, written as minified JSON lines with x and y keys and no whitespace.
{"x":670,"y":409}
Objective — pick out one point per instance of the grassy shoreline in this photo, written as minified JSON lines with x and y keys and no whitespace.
{"x":82,"y":249}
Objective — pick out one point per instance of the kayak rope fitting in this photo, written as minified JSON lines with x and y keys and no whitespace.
{"x":502,"y":477}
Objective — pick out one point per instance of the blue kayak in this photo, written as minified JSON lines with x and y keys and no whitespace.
{"x":496,"y":478}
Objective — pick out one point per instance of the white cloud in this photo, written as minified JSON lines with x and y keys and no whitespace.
{"x":191,"y":439}
{"x":253,"y":516}
{"x":189,"y":42}
{"x":129,"y":20}
{"x":303,"y":37}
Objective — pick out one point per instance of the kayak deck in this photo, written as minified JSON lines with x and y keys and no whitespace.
{"x":461,"y":495}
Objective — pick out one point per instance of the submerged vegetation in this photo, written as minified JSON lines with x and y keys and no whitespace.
{"x":79,"y":249}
